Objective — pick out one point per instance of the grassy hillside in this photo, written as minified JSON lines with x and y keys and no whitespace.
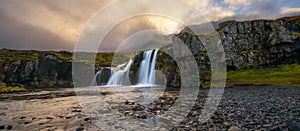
{"x":102,"y":59}
{"x":287,"y":75}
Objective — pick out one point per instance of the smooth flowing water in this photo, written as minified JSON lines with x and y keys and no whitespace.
{"x":146,"y":72}
{"x":147,"y":68}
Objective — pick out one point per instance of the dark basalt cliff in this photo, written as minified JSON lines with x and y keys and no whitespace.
{"x":253,"y":44}
{"x":248,"y":44}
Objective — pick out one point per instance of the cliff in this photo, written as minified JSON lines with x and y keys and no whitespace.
{"x":247,"y":44}
{"x":43,"y":68}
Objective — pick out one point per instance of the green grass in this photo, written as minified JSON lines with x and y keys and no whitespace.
{"x":11,"y":89}
{"x":288,"y":75}
{"x":295,"y":34}
{"x":103,"y":59}
{"x":7,"y":55}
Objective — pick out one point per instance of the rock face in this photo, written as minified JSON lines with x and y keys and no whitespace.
{"x":252,"y":44}
{"x":249,"y":44}
{"x":261,"y":43}
{"x":47,"y":71}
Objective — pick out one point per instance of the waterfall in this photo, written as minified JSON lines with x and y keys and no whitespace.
{"x":147,"y":68}
{"x":146,"y":72}
{"x":121,"y":77}
{"x":94,"y":82}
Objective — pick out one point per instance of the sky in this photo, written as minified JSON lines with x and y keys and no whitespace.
{"x":57,"y":24}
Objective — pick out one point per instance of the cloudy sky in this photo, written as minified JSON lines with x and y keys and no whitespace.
{"x":56,"y":24}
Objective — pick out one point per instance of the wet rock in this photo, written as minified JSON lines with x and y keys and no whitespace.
{"x":234,"y":128}
{"x":86,"y":119}
{"x":277,"y":128}
{"x":293,"y":126}
{"x":49,"y":118}
{"x":143,"y":117}
{"x":80,"y":129}
{"x":76,"y":110}
{"x":27,"y":122}
{"x":128,"y":102}
{"x":9,"y":127}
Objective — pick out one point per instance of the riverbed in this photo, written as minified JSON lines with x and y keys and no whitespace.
{"x":245,"y":108}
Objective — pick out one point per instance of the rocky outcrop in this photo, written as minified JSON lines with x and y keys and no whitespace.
{"x":252,"y":44}
{"x":249,"y":44}
{"x":47,"y":71}
{"x":261,"y":43}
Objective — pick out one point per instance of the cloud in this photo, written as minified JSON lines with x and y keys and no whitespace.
{"x":289,"y":10}
{"x":19,"y":35}
{"x":56,"y":24}
{"x":62,"y":19}
{"x":238,"y":2}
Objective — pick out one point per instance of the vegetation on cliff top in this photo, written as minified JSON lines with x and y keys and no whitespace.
{"x":8,"y":89}
{"x":102,"y":59}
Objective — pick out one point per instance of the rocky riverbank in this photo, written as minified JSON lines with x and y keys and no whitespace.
{"x":242,"y":108}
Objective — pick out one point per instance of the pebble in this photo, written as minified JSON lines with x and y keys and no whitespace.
{"x":86,"y":119}
{"x":9,"y":127}
{"x":49,"y":118}
{"x":76,"y":110}
{"x":234,"y":128}
{"x":277,"y":128}
{"x":293,"y":126}
{"x":80,"y":129}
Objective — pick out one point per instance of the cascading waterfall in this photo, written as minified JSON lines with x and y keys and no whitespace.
{"x":121,"y":77}
{"x":146,"y":72}
{"x":94,"y":82}
{"x":147,"y":68}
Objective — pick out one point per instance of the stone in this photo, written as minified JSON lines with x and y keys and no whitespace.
{"x":9,"y":127}
{"x":277,"y":128}
{"x":49,"y":118}
{"x":234,"y":128}
{"x":86,"y":119}
{"x":76,"y":110}
{"x":80,"y":129}
{"x":143,"y":117}
{"x":293,"y":126}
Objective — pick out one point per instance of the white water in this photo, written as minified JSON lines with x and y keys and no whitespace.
{"x":94,"y":82}
{"x":121,"y":77}
{"x":146,"y":72}
{"x":147,"y":68}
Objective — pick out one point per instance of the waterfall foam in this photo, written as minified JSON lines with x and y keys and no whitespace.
{"x":121,"y":77}
{"x":146,"y":72}
{"x":147,"y":68}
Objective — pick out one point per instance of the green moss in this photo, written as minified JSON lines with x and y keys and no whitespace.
{"x":2,"y":76}
{"x":18,"y":56}
{"x":206,"y":85}
{"x":287,"y":75}
{"x":11,"y":89}
{"x":203,"y":54}
{"x":295,"y":34}
{"x":244,"y":66}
